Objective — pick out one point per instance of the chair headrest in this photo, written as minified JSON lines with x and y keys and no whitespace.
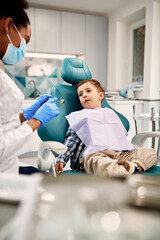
{"x":74,"y":70}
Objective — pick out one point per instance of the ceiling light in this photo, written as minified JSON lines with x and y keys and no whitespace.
{"x":47,"y":55}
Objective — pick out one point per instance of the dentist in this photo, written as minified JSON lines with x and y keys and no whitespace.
{"x":17,"y":126}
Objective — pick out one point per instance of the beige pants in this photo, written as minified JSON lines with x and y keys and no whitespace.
{"x":107,"y":162}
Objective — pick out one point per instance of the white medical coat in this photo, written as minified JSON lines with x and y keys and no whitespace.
{"x":15,"y":138}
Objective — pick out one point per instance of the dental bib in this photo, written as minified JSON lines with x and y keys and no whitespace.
{"x":99,"y":129}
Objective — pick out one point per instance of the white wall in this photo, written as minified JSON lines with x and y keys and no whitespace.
{"x":152,"y":51}
{"x":118,"y":46}
{"x":121,"y":54}
{"x":96,"y":47}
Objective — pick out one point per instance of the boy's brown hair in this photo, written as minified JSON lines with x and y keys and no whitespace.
{"x":93,"y":82}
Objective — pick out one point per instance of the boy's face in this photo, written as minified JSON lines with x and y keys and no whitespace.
{"x":89,"y":96}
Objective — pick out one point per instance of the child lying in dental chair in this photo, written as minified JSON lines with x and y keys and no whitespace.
{"x":97,"y":140}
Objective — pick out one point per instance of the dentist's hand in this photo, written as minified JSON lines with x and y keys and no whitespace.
{"x":47,"y":111}
{"x":38,"y":102}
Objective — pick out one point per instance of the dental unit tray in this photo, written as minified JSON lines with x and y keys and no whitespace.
{"x":13,"y":188}
{"x":18,"y":200}
{"x":144,"y":191}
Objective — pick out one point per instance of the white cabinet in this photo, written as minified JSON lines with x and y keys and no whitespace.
{"x":56,"y":32}
{"x":31,"y":45}
{"x":96,"y":47}
{"x":73,"y":33}
{"x":47,"y":31}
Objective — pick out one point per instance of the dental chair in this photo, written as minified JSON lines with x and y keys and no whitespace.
{"x":73,"y":71}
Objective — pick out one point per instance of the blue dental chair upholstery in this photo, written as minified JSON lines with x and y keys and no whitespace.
{"x":73,"y":71}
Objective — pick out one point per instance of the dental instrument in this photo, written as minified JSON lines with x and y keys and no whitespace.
{"x":61,"y":101}
{"x":134,"y":114}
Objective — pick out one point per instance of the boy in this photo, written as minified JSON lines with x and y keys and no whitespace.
{"x":97,"y":140}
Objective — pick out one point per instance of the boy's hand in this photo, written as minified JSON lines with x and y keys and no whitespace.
{"x":59,"y":167}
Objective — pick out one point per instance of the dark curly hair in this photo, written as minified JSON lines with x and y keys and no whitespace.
{"x":15,"y":10}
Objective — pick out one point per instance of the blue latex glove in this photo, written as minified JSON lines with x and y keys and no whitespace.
{"x":124,"y":91}
{"x":47,"y":111}
{"x":31,"y":110}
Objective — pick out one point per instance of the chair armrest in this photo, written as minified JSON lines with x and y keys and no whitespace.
{"x":56,"y":147}
{"x":140,"y":138}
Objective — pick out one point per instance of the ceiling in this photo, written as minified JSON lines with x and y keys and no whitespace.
{"x":99,"y":7}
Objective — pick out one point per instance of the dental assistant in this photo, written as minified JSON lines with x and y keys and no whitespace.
{"x":17,"y":124}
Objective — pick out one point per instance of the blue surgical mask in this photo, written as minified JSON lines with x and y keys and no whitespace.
{"x":14,"y":54}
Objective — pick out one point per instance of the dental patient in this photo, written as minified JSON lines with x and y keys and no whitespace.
{"x":97,"y":140}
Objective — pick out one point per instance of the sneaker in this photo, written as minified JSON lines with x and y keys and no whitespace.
{"x":138,"y":168}
{"x":132,"y":167}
